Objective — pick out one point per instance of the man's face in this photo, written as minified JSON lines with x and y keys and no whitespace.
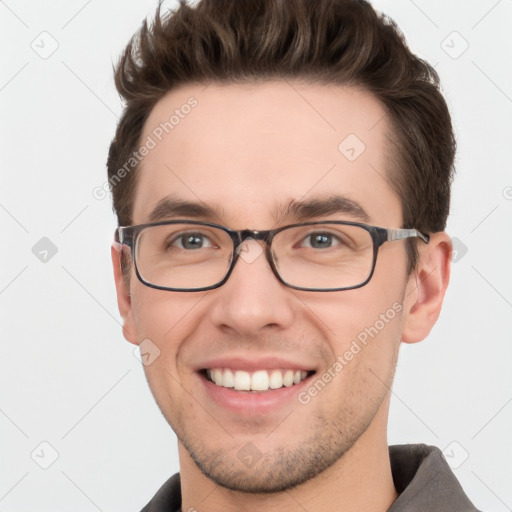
{"x":247,"y":152}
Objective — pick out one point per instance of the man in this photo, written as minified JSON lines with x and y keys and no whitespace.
{"x":281,"y":176}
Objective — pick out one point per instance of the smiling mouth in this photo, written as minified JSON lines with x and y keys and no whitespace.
{"x":257,"y":381}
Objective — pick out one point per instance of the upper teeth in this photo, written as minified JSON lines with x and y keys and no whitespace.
{"x":260,"y":380}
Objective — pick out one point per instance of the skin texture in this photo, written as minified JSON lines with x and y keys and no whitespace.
{"x":246,"y":151}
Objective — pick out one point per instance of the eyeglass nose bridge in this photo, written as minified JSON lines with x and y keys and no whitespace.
{"x":245,"y":234}
{"x":239,"y":237}
{"x":250,"y":255}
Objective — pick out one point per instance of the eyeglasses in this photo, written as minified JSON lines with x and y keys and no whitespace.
{"x":187,"y":256}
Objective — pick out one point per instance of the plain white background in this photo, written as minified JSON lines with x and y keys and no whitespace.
{"x":70,"y":381}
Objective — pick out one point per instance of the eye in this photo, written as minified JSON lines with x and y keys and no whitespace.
{"x":320,"y":240}
{"x":191,"y":241}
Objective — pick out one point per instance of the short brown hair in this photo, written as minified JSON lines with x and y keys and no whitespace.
{"x":341,"y":42}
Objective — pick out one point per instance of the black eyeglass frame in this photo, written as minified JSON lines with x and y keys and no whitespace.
{"x":127,"y":235}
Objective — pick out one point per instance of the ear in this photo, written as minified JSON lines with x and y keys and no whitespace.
{"x":426,"y":288}
{"x":124,"y":302}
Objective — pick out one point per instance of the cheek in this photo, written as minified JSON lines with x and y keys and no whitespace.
{"x":365,"y":354}
{"x":162,"y":315}
{"x":164,"y":320}
{"x":372,"y":334}
{"x":354,"y":314}
{"x":364,"y":325}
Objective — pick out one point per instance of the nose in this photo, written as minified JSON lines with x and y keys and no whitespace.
{"x":252,"y":300}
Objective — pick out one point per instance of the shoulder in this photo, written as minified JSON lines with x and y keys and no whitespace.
{"x":167,"y":498}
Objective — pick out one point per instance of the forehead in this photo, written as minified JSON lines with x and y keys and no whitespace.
{"x":248,"y":149}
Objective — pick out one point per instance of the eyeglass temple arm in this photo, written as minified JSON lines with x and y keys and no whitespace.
{"x":122,"y":236}
{"x":400,"y":234}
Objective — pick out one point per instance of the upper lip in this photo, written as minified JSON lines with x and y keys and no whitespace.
{"x":253,"y":363}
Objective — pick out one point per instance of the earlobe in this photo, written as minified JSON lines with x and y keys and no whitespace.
{"x":124,"y":302}
{"x":426,"y":288}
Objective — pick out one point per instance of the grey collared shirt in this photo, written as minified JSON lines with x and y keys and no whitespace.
{"x":425,"y":481}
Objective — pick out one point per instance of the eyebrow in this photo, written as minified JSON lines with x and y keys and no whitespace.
{"x":306,"y":210}
{"x":170,"y":207}
{"x":300,"y":211}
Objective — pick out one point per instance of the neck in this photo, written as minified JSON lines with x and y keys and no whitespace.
{"x":359,"y":481}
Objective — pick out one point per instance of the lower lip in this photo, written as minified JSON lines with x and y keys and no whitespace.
{"x":252,"y":403}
